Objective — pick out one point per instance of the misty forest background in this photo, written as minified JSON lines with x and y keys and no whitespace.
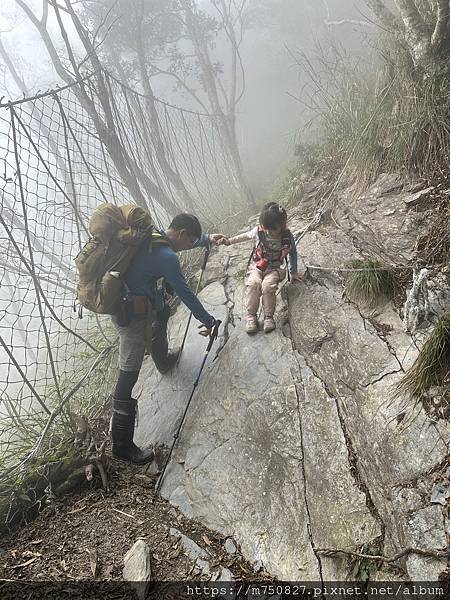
{"x":210,"y":106}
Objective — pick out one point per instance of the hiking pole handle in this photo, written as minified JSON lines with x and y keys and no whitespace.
{"x":214,"y":334}
{"x":205,"y":258}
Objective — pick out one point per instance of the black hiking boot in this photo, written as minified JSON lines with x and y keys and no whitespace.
{"x":122,"y":431}
{"x":132,"y":454}
{"x":169,"y":362}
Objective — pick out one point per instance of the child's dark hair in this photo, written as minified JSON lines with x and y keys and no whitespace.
{"x":272,"y":215}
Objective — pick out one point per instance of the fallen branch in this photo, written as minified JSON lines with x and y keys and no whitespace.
{"x":101,"y":470}
{"x":21,"y":581}
{"x":124,"y":513}
{"x":431,"y":553}
{"x":25,"y":564}
{"x":56,"y":411}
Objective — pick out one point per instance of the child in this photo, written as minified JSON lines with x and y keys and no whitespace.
{"x":273,"y":244}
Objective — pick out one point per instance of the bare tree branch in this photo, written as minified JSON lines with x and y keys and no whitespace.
{"x":44,"y":13}
{"x":442,"y":23}
{"x":229,"y":24}
{"x":384,"y":14}
{"x":329,"y":21}
{"x":65,"y":37}
{"x":42,"y":29}
{"x":349,"y":22}
{"x":104,"y":20}
{"x":173,"y":176}
{"x":158,"y":71}
{"x":12,"y":69}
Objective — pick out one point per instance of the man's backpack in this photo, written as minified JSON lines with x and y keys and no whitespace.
{"x":117,"y":233}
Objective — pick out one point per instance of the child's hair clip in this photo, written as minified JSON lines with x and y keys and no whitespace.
{"x":278,"y":207}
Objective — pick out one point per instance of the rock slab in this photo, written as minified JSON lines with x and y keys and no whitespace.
{"x":137,"y":568}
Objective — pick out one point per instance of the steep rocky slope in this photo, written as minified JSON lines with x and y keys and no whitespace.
{"x":293,"y":442}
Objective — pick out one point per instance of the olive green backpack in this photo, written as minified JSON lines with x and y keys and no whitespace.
{"x":117,"y":232}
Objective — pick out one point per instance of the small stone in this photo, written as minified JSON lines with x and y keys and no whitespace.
{"x":258,"y":566}
{"x":411,"y":199}
{"x":153,"y":469}
{"x":202,"y":567}
{"x":226,"y":575}
{"x":191,"y":548}
{"x":439,"y":494}
{"x":181,"y":500}
{"x":435,"y":391}
{"x":230,"y":546}
{"x":137,"y":570}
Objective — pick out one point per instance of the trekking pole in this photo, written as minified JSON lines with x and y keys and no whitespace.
{"x":212,"y":337}
{"x":205,"y":260}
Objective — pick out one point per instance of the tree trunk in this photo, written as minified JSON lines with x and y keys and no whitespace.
{"x":130,"y":173}
{"x":226,"y":123}
{"x":172,"y":175}
{"x":427,"y":47}
{"x":416,"y":34}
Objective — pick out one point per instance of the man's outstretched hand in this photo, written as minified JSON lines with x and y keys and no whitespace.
{"x":216,"y":238}
{"x":204,"y":331}
{"x":212,"y":331}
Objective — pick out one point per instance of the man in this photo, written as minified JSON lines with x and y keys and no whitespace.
{"x":143,"y":277}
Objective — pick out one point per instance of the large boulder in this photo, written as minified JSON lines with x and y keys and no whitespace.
{"x":293,"y":442}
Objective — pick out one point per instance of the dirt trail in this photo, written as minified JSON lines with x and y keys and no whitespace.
{"x":83,"y":537}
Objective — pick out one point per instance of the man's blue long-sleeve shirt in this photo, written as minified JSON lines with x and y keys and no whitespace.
{"x":147,"y":267}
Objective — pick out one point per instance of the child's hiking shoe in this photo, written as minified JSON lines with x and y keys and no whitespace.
{"x":269,"y":324}
{"x":251,"y":325}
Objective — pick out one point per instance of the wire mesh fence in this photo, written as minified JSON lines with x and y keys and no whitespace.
{"x":61,"y":154}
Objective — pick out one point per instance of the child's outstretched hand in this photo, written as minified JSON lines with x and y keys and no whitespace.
{"x":297,"y":277}
{"x":216,"y":238}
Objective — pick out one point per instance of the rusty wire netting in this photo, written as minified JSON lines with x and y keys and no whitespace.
{"x":62,"y":153}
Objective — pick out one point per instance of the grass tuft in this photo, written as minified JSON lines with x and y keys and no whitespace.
{"x":372,"y":285}
{"x":432,"y":367}
{"x":377,"y":118}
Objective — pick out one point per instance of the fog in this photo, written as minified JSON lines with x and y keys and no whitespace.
{"x":269,"y":118}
